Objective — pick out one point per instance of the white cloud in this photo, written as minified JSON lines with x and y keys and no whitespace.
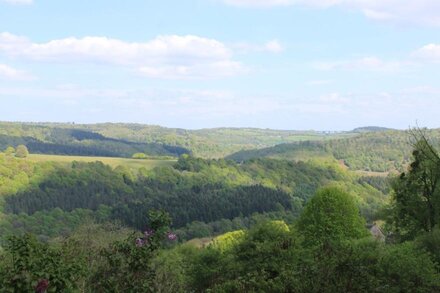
{"x":272,"y":46}
{"x":168,"y":56}
{"x":364,"y":64}
{"x":18,"y":2}
{"x":202,"y":71}
{"x":9,"y":73}
{"x":424,"y":12}
{"x":155,"y":104}
{"x":430,"y":53}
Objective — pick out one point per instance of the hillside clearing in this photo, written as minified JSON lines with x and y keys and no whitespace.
{"x":111,"y":161}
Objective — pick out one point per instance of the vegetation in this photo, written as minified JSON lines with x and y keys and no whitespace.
{"x":42,"y":139}
{"x":126,"y":139}
{"x":266,"y":225}
{"x":132,"y":164}
{"x":382,"y":151}
{"x":417,"y":192}
{"x":204,"y":197}
{"x":21,"y":151}
{"x":331,"y":215}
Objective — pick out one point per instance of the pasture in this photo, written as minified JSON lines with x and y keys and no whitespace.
{"x":134,"y":164}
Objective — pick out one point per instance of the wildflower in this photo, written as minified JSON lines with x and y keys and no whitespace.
{"x":139,"y":242}
{"x":171,"y":236}
{"x":42,"y":286}
{"x":148,"y":233}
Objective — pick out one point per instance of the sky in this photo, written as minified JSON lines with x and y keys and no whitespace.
{"x":281,"y":64}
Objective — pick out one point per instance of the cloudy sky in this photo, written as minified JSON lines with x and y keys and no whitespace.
{"x":285,"y":64}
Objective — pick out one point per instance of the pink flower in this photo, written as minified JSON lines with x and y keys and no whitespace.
{"x":139,"y":242}
{"x":171,"y":236}
{"x":149,"y":232}
{"x":42,"y":286}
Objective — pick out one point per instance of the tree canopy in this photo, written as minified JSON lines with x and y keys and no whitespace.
{"x":21,"y":151}
{"x":331,"y":215}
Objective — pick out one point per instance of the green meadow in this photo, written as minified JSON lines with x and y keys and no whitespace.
{"x":134,"y":164}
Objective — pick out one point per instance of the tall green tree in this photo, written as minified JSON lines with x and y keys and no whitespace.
{"x":417,"y":191}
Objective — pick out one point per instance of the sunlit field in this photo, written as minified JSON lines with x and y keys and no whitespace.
{"x":113,"y":162}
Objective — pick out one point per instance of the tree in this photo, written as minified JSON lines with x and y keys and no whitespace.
{"x":9,"y":150}
{"x":22,"y":151}
{"x":331,"y":215}
{"x":417,"y":191}
{"x":127,"y":265}
{"x":139,"y":156}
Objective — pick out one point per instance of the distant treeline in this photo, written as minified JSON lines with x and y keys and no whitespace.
{"x":379,"y":151}
{"x":206,"y":143}
{"x":85,"y":143}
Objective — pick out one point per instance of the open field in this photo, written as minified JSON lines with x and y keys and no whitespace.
{"x":113,"y":162}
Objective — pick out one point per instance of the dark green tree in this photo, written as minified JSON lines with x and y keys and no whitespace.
{"x":417,"y":191}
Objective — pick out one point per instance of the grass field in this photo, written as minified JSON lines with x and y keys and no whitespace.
{"x":113,"y":162}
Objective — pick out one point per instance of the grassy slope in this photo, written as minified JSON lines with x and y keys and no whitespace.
{"x":113,"y":162}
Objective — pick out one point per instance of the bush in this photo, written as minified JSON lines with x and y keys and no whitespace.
{"x":28,"y":264}
{"x":21,"y":151}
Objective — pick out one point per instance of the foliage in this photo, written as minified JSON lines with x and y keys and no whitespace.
{"x":204,"y":197}
{"x":139,"y":156}
{"x":382,"y":151}
{"x":9,"y":151}
{"x":21,"y":151}
{"x":228,"y":240}
{"x":331,"y":215}
{"x":270,"y":258}
{"x":430,"y":241}
{"x":62,"y":140}
{"x":127,"y":264}
{"x":27,"y":263}
{"x":417,"y":192}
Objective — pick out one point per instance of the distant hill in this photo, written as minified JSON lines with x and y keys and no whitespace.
{"x":369,"y":148}
{"x":206,"y":143}
{"x":45,"y":139}
{"x":371,"y":129}
{"x":379,"y":151}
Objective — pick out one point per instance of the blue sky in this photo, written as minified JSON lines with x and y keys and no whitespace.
{"x":285,"y":64}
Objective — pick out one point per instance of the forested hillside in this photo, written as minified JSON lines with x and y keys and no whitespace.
{"x":207,"y":143}
{"x":52,"y":139}
{"x":193,"y":191}
{"x":380,"y":151}
{"x":368,"y":148}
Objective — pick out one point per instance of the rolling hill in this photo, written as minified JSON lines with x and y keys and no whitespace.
{"x":378,"y":151}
